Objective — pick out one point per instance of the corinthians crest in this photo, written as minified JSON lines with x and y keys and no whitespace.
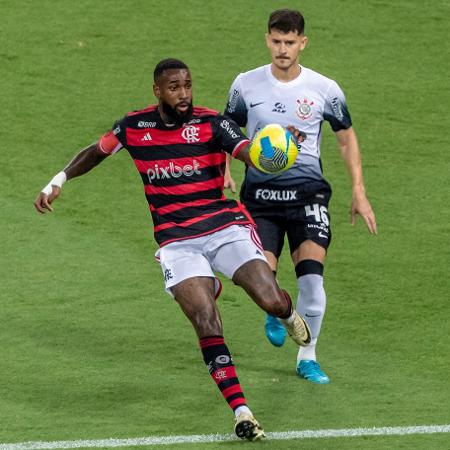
{"x":304,"y":109}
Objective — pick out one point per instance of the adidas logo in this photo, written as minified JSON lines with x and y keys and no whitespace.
{"x":147,"y":137}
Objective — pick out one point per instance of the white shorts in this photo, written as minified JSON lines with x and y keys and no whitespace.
{"x":223,"y":251}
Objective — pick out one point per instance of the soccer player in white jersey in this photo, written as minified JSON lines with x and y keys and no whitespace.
{"x":295,"y":203}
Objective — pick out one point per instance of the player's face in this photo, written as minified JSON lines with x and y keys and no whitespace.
{"x":174,"y":92}
{"x":285,"y":47}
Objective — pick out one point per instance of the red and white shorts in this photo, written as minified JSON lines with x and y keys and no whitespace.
{"x":224,"y":251}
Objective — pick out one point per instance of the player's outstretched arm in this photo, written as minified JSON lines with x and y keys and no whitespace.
{"x":348,"y":145}
{"x":82,"y":163}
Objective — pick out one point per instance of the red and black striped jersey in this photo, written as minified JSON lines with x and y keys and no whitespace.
{"x":182,"y":169}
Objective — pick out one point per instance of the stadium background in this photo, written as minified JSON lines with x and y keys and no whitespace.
{"x":92,"y":347}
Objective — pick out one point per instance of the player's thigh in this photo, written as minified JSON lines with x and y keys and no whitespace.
{"x":271,"y":230}
{"x":183,"y":260}
{"x":233,"y":247}
{"x":272,"y":260}
{"x":239,"y":256}
{"x":256,"y":278}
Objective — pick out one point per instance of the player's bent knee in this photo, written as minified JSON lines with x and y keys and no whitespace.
{"x":259,"y":282}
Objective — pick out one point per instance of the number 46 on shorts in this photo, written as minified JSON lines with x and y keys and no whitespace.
{"x":319,"y":212}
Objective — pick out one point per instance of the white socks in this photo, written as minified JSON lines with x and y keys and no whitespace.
{"x":242,"y":410}
{"x":311,"y":303}
{"x":307,"y":352}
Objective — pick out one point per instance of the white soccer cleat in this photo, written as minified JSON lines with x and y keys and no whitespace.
{"x":247,"y":427}
{"x":298,"y":329}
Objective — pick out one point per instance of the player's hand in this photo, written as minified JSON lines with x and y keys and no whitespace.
{"x":361,"y":206}
{"x":43,"y":201}
{"x":229,"y":182}
{"x":299,"y":135}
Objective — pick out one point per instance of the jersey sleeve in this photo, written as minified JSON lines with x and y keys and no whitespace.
{"x":236,"y":109}
{"x":228,"y":136}
{"x":111,"y":142}
{"x":336,"y":111}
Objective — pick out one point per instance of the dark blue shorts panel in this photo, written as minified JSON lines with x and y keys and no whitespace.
{"x":271,"y":231}
{"x":300,"y":223}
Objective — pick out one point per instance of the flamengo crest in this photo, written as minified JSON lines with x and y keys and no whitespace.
{"x":220,"y":374}
{"x":304,"y":110}
{"x":190,"y":134}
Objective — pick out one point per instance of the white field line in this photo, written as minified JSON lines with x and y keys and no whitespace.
{"x":207,"y":438}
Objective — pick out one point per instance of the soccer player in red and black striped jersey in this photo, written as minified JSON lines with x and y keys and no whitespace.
{"x":179,"y":152}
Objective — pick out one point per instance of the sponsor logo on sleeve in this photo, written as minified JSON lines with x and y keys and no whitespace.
{"x":232,"y":102}
{"x":116,"y":130}
{"x":227,"y":126}
{"x":336,"y":105}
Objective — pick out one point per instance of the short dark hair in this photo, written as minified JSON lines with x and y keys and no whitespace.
{"x":169,"y":63}
{"x":287,"y":20}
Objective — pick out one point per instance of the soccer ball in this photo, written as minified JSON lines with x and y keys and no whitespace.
{"x":273,"y":149}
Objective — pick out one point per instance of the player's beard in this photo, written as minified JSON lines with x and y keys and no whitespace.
{"x":176,"y":117}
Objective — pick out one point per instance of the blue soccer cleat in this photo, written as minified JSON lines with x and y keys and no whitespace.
{"x":275,"y":331}
{"x":310,"y":370}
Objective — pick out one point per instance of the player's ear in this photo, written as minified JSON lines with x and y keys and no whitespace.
{"x":156,"y":91}
{"x":303,"y":42}
{"x":267,"y":39}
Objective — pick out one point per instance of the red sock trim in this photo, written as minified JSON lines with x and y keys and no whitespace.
{"x":235,"y":389}
{"x":237,"y":402}
{"x":211,"y":340}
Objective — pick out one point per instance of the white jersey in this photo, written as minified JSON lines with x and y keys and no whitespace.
{"x":257,"y":98}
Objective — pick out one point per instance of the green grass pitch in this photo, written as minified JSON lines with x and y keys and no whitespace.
{"x":90,"y":345}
